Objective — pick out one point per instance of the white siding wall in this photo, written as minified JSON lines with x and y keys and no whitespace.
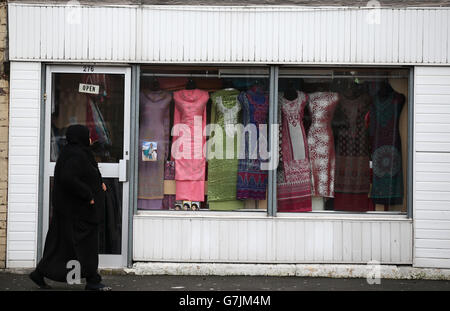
{"x":191,"y":34}
{"x":23,"y":163}
{"x":432,"y":167}
{"x":271,"y":240}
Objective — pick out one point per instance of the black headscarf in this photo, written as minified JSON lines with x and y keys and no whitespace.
{"x":78,"y":136}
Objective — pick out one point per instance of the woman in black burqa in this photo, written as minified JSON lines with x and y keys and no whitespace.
{"x":73,"y":230}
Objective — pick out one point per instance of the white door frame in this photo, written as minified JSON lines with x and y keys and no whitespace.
{"x":112,"y":170}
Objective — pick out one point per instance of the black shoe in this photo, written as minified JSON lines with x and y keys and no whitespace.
{"x":38,"y":279}
{"x":98,"y":287}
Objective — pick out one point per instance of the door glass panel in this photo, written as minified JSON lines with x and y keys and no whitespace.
{"x":94,"y":100}
{"x":110,"y":211}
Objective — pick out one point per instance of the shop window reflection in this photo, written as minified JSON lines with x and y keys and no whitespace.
{"x":347,"y":131}
{"x":220,"y":179}
{"x":100,"y":108}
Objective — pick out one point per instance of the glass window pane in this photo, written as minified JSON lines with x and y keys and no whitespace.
{"x":343,"y":140}
{"x":192,"y":151}
{"x":94,"y":100}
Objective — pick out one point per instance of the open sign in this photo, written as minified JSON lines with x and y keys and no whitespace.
{"x":89,"y":88}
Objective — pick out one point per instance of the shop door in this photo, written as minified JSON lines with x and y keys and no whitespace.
{"x":98,"y":97}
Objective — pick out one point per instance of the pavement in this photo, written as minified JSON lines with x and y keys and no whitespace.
{"x":129,"y":282}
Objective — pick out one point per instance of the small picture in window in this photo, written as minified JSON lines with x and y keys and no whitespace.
{"x":149,"y":151}
{"x":178,"y":205}
{"x":195,"y":206}
{"x":187,"y":205}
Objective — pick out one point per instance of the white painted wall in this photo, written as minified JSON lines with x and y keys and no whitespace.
{"x":23,"y":164}
{"x":432,"y":167}
{"x":214,"y":34}
{"x":263,"y":239}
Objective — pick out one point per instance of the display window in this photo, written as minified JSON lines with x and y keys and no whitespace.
{"x":203,"y":138}
{"x":342,"y":140}
{"x":94,"y":100}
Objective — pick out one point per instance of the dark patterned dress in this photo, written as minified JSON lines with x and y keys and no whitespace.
{"x":386,"y":151}
{"x":352,"y":180}
{"x":252,"y":181}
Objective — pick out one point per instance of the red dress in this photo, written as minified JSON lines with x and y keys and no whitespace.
{"x":352,"y":182}
{"x":294,"y":173}
{"x":188,"y":142}
{"x":321,"y":142}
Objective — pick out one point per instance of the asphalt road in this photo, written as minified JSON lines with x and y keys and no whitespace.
{"x":21,"y":282}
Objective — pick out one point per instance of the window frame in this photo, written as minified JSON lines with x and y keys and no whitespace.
{"x":271,"y":186}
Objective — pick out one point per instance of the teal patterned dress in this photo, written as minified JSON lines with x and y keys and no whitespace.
{"x":386,"y":151}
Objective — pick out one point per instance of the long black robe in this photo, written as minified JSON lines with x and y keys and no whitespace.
{"x":73,"y":230}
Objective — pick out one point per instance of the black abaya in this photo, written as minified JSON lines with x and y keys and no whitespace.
{"x":73,"y":231}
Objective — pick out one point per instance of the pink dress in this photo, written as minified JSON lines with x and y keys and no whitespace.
{"x":321,"y":143}
{"x":188,"y":141}
{"x":294,"y":173}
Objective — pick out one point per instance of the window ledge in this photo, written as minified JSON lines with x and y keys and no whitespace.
{"x":251,"y":214}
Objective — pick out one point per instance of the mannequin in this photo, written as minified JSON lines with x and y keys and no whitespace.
{"x":290,"y":93}
{"x":154,"y":84}
{"x":386,"y":147}
{"x":318,"y":203}
{"x":228,"y":85}
{"x":190,"y":85}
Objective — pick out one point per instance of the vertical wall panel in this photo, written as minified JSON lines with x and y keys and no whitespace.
{"x":322,"y":43}
{"x":448,"y":35}
{"x":327,"y":241}
{"x":318,"y":241}
{"x":402,"y":34}
{"x":357,"y":242}
{"x":23,"y":184}
{"x":337,"y":241}
{"x":366,"y":238}
{"x":309,"y":242}
{"x":299,"y":245}
{"x":432,"y":163}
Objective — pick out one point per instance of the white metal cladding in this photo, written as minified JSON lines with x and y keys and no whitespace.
{"x":193,"y":34}
{"x":23,"y":164}
{"x":432,"y":167}
{"x":271,"y":240}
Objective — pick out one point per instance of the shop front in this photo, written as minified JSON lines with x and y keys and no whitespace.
{"x":238,"y":134}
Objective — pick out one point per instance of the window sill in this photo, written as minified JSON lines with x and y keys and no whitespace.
{"x":252,"y":214}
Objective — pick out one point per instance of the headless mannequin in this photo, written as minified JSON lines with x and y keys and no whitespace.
{"x":290,"y":93}
{"x":228,"y":85}
{"x":385,"y":89}
{"x":256,"y":85}
{"x":190,"y":85}
{"x":384,"y":92}
{"x":154,"y":84}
